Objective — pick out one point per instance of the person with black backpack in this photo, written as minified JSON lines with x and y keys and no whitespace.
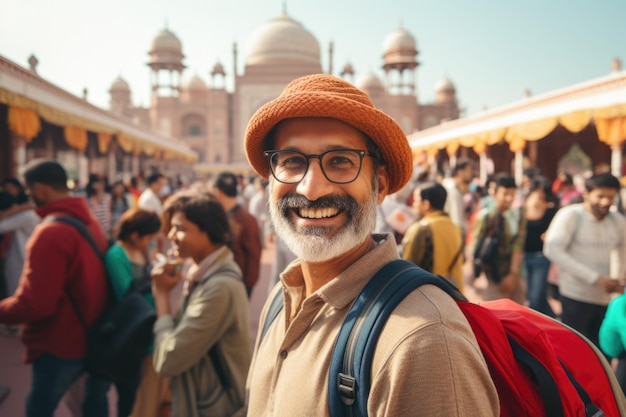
{"x":331,"y":157}
{"x":60,"y":266}
{"x":128,"y":269}
{"x":498,"y":237}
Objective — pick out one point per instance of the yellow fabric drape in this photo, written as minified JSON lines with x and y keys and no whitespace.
{"x":611,"y":124}
{"x":611,"y":131}
{"x":531,"y":131}
{"x":147,"y":149}
{"x":517,"y":144}
{"x":125,"y":142}
{"x":451,"y":148}
{"x":432,"y":151}
{"x":104,"y":140}
{"x":494,"y":136}
{"x":490,"y":137}
{"x":76,"y":137}
{"x":24,"y":122}
{"x":610,"y":112}
{"x":25,"y":116}
{"x":479,"y":147}
{"x":575,"y":122}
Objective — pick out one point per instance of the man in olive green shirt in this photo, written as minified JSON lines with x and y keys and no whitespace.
{"x":504,"y":275}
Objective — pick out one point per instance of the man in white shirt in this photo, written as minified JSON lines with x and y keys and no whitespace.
{"x":149,"y":199}
{"x":457,"y":187}
{"x":17,"y":227}
{"x":587,"y":243}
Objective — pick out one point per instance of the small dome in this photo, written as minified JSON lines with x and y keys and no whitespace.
{"x":119,"y":84}
{"x":400,"y":51}
{"x":166,"y":52}
{"x":399,"y":41}
{"x":347,"y":69}
{"x":369,"y":83}
{"x":445,"y":85}
{"x":166,"y":40}
{"x":282,"y":39}
{"x":218,"y":68}
{"x":195,"y":83}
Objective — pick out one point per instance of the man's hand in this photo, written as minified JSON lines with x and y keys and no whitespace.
{"x":610,"y":284}
{"x":165,"y":276}
{"x":509,"y":282}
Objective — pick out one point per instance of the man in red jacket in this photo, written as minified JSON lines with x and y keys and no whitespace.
{"x":59,"y":261}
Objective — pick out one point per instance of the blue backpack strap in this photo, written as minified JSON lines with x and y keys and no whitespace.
{"x":272,"y":312}
{"x":350,"y":368}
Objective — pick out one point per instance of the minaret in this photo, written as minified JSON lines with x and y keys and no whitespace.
{"x":166,"y":62}
{"x":330,"y":57}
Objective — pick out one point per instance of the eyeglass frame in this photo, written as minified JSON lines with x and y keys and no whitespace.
{"x":360,"y":152}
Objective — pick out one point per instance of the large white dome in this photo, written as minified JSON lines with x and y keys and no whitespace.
{"x":166,"y":40}
{"x":282,"y":39}
{"x":400,"y":50}
{"x":400,"y":40}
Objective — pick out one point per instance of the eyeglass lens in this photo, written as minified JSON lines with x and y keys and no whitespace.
{"x":339,"y":166}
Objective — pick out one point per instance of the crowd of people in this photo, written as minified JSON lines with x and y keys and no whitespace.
{"x":337,"y":195}
{"x":201,"y":305}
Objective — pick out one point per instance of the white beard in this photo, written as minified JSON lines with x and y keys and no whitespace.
{"x":319,"y":244}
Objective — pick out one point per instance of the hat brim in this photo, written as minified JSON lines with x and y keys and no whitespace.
{"x":377,"y":125}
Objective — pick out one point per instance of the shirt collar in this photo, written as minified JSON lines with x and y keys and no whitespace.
{"x":344,"y":288}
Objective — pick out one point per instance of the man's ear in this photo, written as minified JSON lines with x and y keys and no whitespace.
{"x":383,"y":183}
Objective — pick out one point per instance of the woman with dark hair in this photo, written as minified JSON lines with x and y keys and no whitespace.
{"x":204,"y":348}
{"x":539,"y":209}
{"x":14,"y":187}
{"x":119,"y":204}
{"x":126,"y":263}
{"x":99,"y":201}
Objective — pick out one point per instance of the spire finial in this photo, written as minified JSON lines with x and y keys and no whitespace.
{"x":285,"y":7}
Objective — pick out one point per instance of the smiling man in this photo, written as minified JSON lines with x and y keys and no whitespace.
{"x":587,"y":243}
{"x":331,"y":158}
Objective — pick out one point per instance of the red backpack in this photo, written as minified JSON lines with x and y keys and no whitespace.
{"x":539,"y":366}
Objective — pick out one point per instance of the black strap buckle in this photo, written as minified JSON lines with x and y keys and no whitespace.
{"x":347,"y":388}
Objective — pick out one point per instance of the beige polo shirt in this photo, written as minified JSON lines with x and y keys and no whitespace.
{"x":427,"y":362}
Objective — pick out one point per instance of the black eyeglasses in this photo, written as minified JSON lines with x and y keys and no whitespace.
{"x":340,"y":166}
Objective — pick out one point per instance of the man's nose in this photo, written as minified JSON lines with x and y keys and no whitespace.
{"x":314,"y":184}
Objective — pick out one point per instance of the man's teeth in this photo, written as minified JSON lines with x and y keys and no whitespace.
{"x":318,"y":213}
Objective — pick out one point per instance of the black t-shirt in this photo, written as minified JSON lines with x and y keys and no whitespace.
{"x":536,"y":228}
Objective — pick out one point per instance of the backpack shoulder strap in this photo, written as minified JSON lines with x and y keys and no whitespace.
{"x":80,"y":227}
{"x":272,"y":312}
{"x":354,"y":348}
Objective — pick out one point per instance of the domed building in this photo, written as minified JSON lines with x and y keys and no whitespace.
{"x":213,"y":120}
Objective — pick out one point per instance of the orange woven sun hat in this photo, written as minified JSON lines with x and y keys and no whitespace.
{"x":323,"y":95}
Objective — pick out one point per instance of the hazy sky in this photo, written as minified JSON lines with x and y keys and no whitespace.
{"x":492,"y":50}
